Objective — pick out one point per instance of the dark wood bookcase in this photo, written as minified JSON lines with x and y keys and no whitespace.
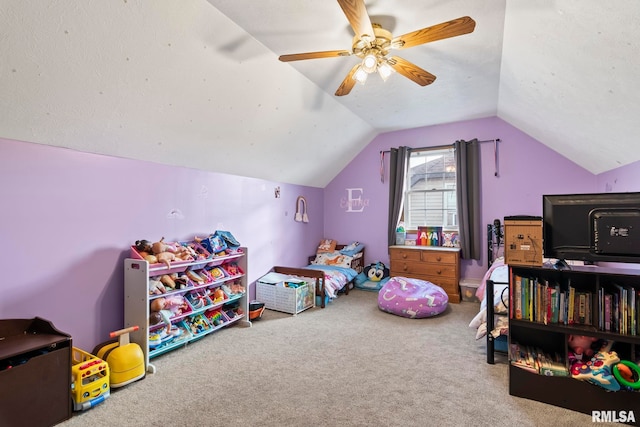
{"x":551,"y":337}
{"x":35,"y":373}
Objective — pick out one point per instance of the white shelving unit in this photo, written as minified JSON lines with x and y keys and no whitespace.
{"x":137,"y":273}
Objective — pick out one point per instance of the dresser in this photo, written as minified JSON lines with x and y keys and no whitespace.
{"x":436,"y":264}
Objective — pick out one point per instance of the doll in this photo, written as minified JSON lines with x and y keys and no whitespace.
{"x":581,"y":345}
{"x":164,"y":308}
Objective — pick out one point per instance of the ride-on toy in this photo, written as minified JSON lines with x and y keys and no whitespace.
{"x":125,"y":359}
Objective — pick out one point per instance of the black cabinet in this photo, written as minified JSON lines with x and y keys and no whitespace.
{"x":35,"y":373}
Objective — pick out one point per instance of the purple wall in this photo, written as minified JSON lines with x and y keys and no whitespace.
{"x":621,"y":180}
{"x":527,"y":170}
{"x":68,"y":219}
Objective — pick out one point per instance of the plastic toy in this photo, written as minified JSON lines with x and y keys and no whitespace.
{"x":125,"y":359}
{"x":89,"y":380}
{"x":624,"y":373}
{"x":598,"y":370}
{"x":163,"y":336}
{"x":197,"y":324}
{"x":215,"y":317}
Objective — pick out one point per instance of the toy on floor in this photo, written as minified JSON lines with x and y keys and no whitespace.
{"x":373,"y":277}
{"x":89,"y":380}
{"x":413,"y":298}
{"x":125,"y":359}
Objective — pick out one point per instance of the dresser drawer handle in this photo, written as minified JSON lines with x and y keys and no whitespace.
{"x":404,"y":267}
{"x":404,"y":256}
{"x":439,"y":272}
{"x":439,"y":259}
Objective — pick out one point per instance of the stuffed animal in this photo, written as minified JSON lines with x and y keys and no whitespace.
{"x":373,"y":277}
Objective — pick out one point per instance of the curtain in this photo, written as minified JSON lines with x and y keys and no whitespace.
{"x":397,"y":170}
{"x":468,"y":197}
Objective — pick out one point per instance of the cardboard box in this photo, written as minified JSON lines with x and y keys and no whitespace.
{"x":523,"y":241}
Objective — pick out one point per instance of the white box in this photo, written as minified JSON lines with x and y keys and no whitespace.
{"x":292,"y":300}
{"x":468,"y":288}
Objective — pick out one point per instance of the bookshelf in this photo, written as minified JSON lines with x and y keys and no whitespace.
{"x":547,"y":306}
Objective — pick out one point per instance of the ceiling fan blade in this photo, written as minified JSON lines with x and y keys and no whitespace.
{"x":314,"y":55}
{"x":358,"y":17}
{"x":455,"y":27}
{"x":348,"y":82}
{"x":411,"y":71}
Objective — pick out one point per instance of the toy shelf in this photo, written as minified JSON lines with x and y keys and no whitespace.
{"x":202,"y":316}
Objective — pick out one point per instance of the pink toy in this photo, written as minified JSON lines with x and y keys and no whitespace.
{"x":581,"y":345}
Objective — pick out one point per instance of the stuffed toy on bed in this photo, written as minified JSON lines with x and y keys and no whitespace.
{"x":373,"y":277}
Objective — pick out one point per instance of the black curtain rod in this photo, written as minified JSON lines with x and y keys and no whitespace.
{"x":439,"y":147}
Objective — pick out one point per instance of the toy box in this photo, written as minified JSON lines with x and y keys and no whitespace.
{"x":468,"y":288}
{"x":284,"y":293}
{"x":35,"y":373}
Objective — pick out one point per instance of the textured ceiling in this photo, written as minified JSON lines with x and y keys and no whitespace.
{"x":198,"y":83}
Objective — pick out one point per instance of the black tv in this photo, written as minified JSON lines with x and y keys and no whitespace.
{"x":592,"y":227}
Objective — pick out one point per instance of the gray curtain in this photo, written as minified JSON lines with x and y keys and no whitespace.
{"x":397,"y":169}
{"x":468,"y":197}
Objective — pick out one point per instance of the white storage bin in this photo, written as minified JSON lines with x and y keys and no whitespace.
{"x":271,"y":290}
{"x":468,"y":288}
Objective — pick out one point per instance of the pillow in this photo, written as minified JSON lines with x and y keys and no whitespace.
{"x":326,"y":245}
{"x":333,"y":258}
{"x":352,"y":249}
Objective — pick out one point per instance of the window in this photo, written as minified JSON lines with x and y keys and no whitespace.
{"x":430,"y":192}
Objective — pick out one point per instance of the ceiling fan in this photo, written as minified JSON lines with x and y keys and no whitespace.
{"x":372,"y":43}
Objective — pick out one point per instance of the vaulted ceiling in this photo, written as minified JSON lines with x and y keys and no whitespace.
{"x":198,"y":83}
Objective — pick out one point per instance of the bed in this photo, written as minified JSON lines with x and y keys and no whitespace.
{"x":333,"y":270}
{"x":492,"y":320}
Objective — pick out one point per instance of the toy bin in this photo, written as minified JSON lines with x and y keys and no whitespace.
{"x":89,"y":380}
{"x":162,"y":340}
{"x":468,"y":288}
{"x":289,"y":295}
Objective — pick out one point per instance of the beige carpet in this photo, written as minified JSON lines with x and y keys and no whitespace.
{"x":346,"y":365}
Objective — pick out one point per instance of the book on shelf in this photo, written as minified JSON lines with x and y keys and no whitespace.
{"x":607,"y":312}
{"x":571,"y":305}
{"x":518,"y":296}
{"x":535,"y":360}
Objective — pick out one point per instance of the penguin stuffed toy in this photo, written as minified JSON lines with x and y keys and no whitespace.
{"x":373,"y":277}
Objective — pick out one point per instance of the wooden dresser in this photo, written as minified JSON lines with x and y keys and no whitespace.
{"x":436,"y":264}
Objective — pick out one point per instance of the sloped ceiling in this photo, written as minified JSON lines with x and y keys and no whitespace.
{"x":198,"y":83}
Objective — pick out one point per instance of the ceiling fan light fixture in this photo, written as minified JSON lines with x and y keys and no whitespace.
{"x":360,"y":75}
{"x":385,"y":70}
{"x":370,"y":63}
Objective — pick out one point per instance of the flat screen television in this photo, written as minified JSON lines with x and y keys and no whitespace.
{"x":592,"y":227}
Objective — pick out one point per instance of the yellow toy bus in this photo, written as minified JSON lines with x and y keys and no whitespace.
{"x":89,"y":380}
